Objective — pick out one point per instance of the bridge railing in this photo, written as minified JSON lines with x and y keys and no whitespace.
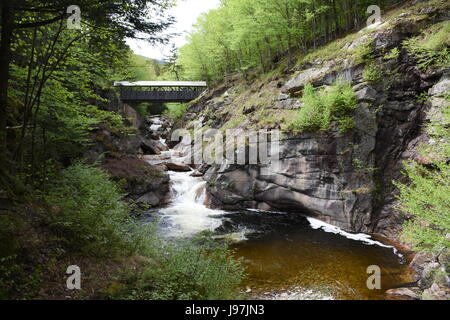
{"x":159,"y":96}
{"x":160,"y":91}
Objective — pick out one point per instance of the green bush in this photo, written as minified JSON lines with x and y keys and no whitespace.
{"x":200,"y":269}
{"x":88,"y":214}
{"x":426,"y":197}
{"x":142,"y":109}
{"x":320,"y":108}
{"x":393,"y":54}
{"x":432,"y":47}
{"x":372,"y":73}
{"x":175,"y":110}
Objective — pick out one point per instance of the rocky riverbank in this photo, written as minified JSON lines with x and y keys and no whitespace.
{"x":122,"y":155}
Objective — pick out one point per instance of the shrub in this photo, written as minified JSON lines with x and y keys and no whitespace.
{"x":431,"y":48}
{"x":426,"y":197}
{"x":372,"y":73}
{"x":320,"y":108}
{"x":87,"y":212}
{"x":142,"y":109}
{"x":393,"y":54}
{"x":200,"y":269}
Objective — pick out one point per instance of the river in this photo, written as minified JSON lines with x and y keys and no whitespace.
{"x":286,"y":255}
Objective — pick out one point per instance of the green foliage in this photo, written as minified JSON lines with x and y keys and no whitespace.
{"x":15,"y":277}
{"x":364,"y":52}
{"x":426,"y":197}
{"x":250,"y":34}
{"x":393,"y":54}
{"x":322,"y":107}
{"x":142,"y":109}
{"x":432,"y":47}
{"x":60,"y":106}
{"x":144,"y":69}
{"x":372,"y":73}
{"x":438,"y":129}
{"x":175,"y":110}
{"x":199,"y":269}
{"x":88,"y":214}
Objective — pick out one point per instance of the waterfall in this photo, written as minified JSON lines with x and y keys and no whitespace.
{"x":188,"y":215}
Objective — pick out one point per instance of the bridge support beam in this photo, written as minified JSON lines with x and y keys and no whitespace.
{"x":130,"y":113}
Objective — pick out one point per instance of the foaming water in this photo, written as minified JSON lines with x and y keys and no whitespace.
{"x":187,"y":215}
{"x":362,"y":237}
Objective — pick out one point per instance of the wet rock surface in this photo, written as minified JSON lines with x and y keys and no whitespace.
{"x":142,"y":181}
{"x":403,"y":294}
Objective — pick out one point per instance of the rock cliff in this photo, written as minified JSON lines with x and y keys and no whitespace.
{"x":344,"y":179}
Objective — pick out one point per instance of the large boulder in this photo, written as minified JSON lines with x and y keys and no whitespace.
{"x":177,"y":166}
{"x":316,"y":176}
{"x":301,"y":79}
{"x":141,"y":181}
{"x":111,"y":143}
{"x":152,"y":147}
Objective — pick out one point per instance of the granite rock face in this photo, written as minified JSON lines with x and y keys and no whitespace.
{"x":342,"y":179}
{"x":120,"y":153}
{"x":142,"y":182}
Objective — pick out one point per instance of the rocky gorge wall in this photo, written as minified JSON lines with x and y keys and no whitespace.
{"x":344,"y":179}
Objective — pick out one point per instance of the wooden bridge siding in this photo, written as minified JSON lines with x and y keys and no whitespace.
{"x":159,"y":96}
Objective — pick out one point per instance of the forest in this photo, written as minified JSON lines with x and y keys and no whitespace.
{"x":63,"y":131}
{"x":246,"y":34}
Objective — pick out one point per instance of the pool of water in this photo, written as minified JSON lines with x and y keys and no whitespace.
{"x":282,"y":251}
{"x":321,"y":261}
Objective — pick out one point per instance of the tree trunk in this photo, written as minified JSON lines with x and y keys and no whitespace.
{"x":5,"y":59}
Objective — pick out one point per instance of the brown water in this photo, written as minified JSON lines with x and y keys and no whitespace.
{"x":282,"y":251}
{"x":294,"y":254}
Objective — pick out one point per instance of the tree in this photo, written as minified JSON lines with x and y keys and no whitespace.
{"x":128,"y":18}
{"x":245,"y":34}
{"x":171,"y":63}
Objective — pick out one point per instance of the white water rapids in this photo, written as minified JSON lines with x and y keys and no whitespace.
{"x":187,"y":215}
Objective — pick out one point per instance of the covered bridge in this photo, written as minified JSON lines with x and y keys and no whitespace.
{"x":160,"y":91}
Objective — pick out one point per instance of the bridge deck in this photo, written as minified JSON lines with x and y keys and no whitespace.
{"x":160,"y":91}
